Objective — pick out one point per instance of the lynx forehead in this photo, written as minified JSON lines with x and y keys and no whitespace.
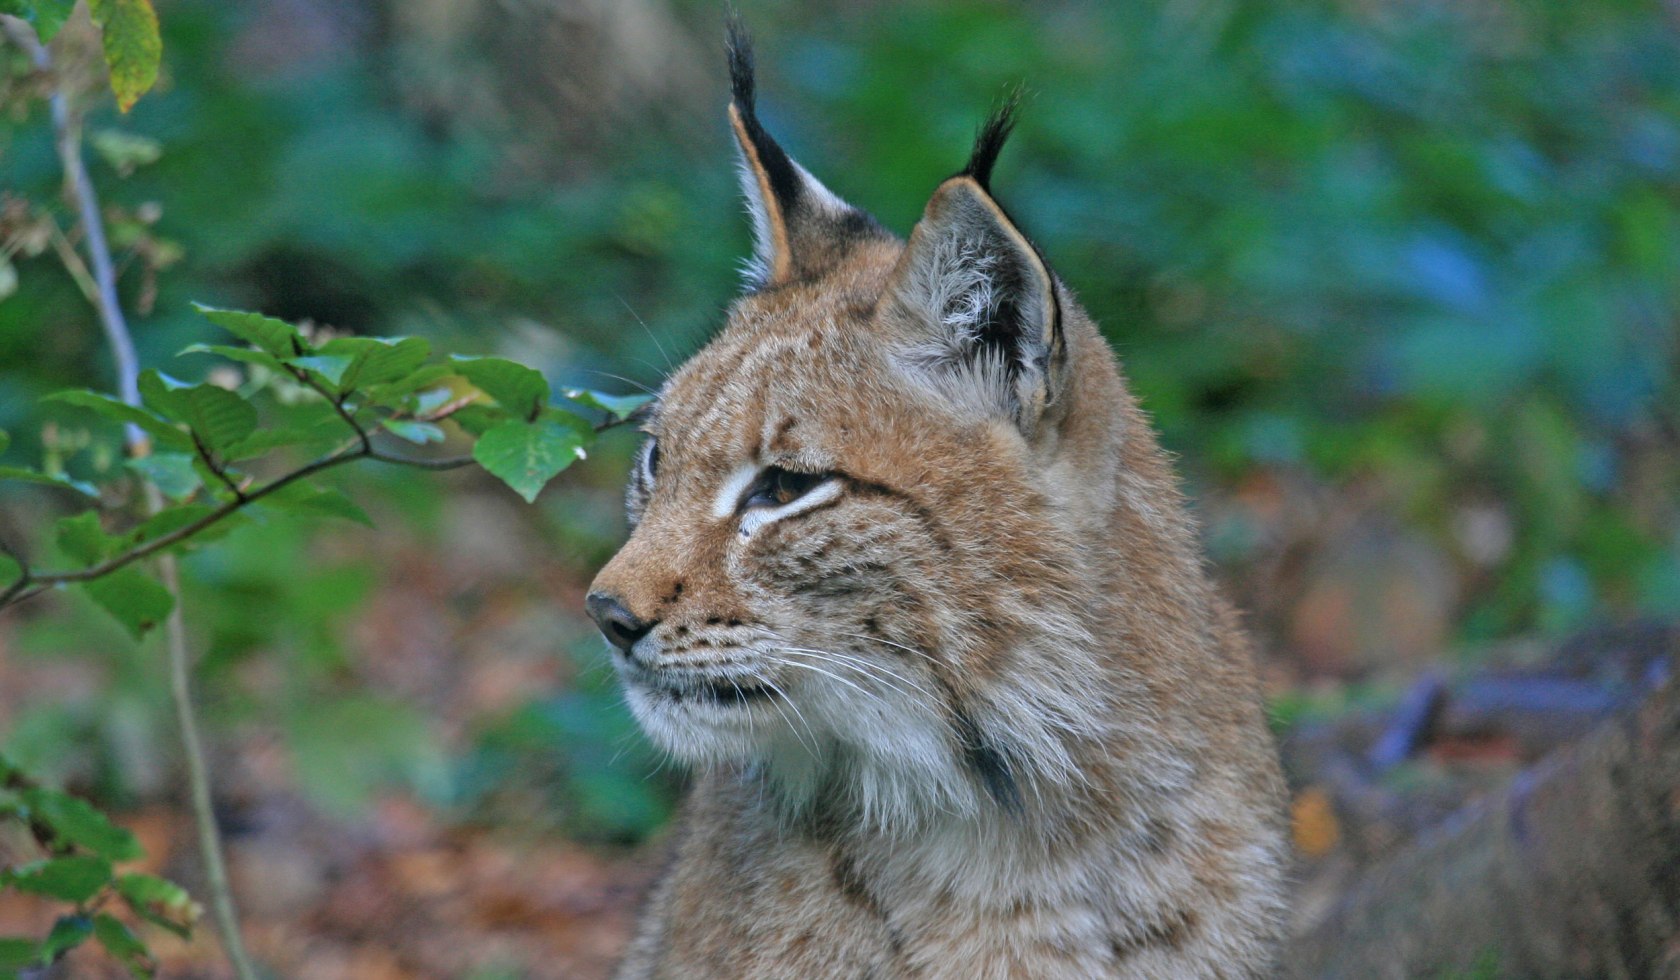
{"x":911,"y":588}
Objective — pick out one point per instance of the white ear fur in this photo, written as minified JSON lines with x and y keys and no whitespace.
{"x":979,"y":305}
{"x":770,"y":256}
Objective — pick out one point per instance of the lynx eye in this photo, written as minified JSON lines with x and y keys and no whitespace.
{"x":650,"y":460}
{"x":776,"y":487}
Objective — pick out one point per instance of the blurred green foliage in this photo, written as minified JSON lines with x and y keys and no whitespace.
{"x":1432,"y":248}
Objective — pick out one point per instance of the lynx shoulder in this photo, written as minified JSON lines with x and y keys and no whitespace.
{"x":912,"y":589}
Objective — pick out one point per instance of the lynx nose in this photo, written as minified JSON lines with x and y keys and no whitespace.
{"x":620,"y":626}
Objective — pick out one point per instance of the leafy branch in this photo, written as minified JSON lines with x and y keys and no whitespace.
{"x":202,"y":430}
{"x":187,"y":444}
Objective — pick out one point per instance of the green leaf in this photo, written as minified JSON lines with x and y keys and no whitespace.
{"x":17,"y":952}
{"x":526,"y":455}
{"x":83,"y":538}
{"x":47,"y":15}
{"x":33,"y":476}
{"x":393,"y":360}
{"x":123,"y":945}
{"x":67,"y":933}
{"x":328,"y":366}
{"x":379,"y":360}
{"x":5,"y":440}
{"x":393,"y":392}
{"x":618,"y":406}
{"x":303,"y":499}
{"x":478,"y":418}
{"x":76,"y":878}
{"x":419,"y":433}
{"x":218,"y":417}
{"x":129,"y":35}
{"x":137,"y":601}
{"x":515,"y":387}
{"x":245,"y":355}
{"x":76,"y":821}
{"x":115,"y":409}
{"x":275,"y":337}
{"x":160,"y":902}
{"x":9,"y":572}
{"x":172,"y":473}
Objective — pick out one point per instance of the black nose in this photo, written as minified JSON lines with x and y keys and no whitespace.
{"x":620,"y":625}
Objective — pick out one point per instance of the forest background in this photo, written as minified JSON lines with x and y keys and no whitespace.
{"x":1398,"y":281}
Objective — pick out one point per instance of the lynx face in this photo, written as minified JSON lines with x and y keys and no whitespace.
{"x":853,"y":565}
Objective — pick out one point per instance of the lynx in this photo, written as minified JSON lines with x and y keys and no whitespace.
{"x":913,"y":591}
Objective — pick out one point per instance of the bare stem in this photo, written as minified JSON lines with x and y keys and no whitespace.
{"x":68,"y":132}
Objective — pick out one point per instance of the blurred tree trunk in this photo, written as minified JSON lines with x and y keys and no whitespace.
{"x":1572,"y":871}
{"x":556,"y":83}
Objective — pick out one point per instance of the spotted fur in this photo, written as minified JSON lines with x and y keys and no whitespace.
{"x":914,"y":593}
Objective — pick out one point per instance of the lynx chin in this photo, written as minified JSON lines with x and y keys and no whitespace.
{"x":913,"y":591}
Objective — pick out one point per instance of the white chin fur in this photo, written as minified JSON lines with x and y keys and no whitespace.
{"x":881,"y":749}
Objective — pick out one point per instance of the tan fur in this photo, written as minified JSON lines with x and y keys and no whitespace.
{"x":1015,"y":732}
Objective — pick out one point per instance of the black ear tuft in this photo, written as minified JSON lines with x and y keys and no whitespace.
{"x":772,"y":159}
{"x":988,"y":143}
{"x":739,"y":44}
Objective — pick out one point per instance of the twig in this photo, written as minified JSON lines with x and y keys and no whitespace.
{"x":67,"y":129}
{"x":46,"y":580}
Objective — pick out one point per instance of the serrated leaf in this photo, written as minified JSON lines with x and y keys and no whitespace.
{"x":75,"y":820}
{"x":129,"y":35}
{"x":526,"y":455}
{"x":135,"y":600}
{"x":125,"y":947}
{"x":33,"y":476}
{"x":618,"y":406}
{"x":517,"y":388}
{"x":302,"y":499}
{"x":76,"y":878}
{"x":83,"y":538}
{"x":275,"y":337}
{"x":160,"y":902}
{"x":117,"y":410}
{"x":218,"y":417}
{"x":386,"y":360}
{"x":17,"y":952}
{"x":328,"y":366}
{"x":172,"y":473}
{"x":419,"y":433}
{"x":245,"y":355}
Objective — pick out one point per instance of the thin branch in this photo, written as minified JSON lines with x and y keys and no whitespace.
{"x":216,"y":468}
{"x":46,"y":580}
{"x":68,"y":133}
{"x":337,"y":402}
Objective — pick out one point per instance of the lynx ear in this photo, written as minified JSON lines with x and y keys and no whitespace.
{"x":974,"y":297}
{"x":799,"y":226}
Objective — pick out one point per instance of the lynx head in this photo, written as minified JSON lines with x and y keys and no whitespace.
{"x":864,"y":513}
